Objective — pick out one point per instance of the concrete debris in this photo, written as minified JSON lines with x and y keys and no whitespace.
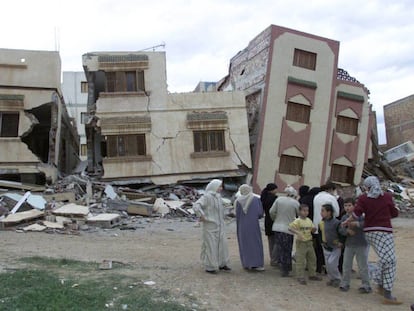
{"x":139,"y":208}
{"x":161,"y":207}
{"x":72,"y":210}
{"x":34,"y":227}
{"x":21,"y":186}
{"x":110,"y":193}
{"x":79,"y":203}
{"x":20,"y":202}
{"x":105,"y":220}
{"x":53,"y":225}
{"x":19,"y":217}
{"x":106,"y":265}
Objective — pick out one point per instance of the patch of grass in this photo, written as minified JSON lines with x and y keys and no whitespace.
{"x":46,"y":290}
{"x":52,"y":263}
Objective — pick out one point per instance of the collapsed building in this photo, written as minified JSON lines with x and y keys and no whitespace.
{"x":38,"y":140}
{"x":309,"y":121}
{"x":137,"y":132}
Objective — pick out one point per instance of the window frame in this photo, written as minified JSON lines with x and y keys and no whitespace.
{"x":304,"y":59}
{"x":84,"y":87}
{"x":347,"y":125}
{"x":342,"y":173}
{"x":129,"y":81}
{"x":294,"y":168}
{"x":128,"y":145}
{"x":298,"y":112}
{"x":209,"y":141}
{"x":6,"y":128}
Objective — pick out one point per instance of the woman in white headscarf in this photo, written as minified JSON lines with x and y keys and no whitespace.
{"x":283,"y":211}
{"x":378,"y":207}
{"x":209,"y":208}
{"x":249,"y":210}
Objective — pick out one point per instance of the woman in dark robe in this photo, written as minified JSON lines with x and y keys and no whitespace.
{"x":248,"y":210}
{"x":268,"y":196}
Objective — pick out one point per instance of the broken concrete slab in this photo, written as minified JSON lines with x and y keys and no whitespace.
{"x":139,"y":208}
{"x":68,"y":196}
{"x":34,"y":227}
{"x":410,"y":193}
{"x":105,"y":220}
{"x":21,"y":216}
{"x":53,"y":225}
{"x":133,"y":195}
{"x":72,"y":210}
{"x":174,"y":204}
{"x":63,"y":220}
{"x":21,"y":186}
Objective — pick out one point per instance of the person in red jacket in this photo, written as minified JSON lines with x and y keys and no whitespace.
{"x":379,"y":208}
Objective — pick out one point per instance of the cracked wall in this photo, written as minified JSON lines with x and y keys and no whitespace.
{"x":163,"y":120}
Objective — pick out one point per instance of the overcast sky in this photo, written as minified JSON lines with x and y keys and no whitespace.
{"x":200,"y":37}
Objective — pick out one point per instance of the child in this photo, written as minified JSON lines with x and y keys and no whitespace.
{"x":331,"y":242}
{"x":305,"y":255}
{"x":355,"y":246}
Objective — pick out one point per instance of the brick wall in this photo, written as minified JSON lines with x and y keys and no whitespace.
{"x":399,"y":121}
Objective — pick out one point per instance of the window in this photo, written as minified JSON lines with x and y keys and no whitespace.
{"x":290,"y":165}
{"x":9,"y":124}
{"x":342,"y":173}
{"x":298,"y":112}
{"x":83,"y":150}
{"x":84,"y":87}
{"x":126,"y":145}
{"x":209,"y":141}
{"x":304,"y":59}
{"x":125,"y":81}
{"x":347,"y":125}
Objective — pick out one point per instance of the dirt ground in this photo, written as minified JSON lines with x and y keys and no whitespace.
{"x":166,"y":251}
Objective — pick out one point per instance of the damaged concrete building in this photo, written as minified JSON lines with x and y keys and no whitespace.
{"x":38,"y":140}
{"x":309,"y":121}
{"x":137,"y":132}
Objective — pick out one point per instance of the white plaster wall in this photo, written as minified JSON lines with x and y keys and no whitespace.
{"x":75,"y":100}
{"x":15,"y":151}
{"x":170,"y":143}
{"x":43,"y":68}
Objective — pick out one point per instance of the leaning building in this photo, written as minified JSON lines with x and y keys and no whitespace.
{"x":309,"y":121}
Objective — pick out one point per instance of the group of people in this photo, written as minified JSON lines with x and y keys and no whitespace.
{"x":330,"y":232}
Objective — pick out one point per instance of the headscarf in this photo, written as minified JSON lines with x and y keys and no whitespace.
{"x":290,"y":191}
{"x":246,"y":197}
{"x":213,"y":186}
{"x":374,"y":187}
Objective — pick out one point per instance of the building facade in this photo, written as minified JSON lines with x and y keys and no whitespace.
{"x":137,"y":132}
{"x":399,"y":121}
{"x":75,"y":92}
{"x":37,"y":137}
{"x":309,"y":121}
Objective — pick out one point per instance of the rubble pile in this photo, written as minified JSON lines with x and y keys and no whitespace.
{"x":403,"y":193}
{"x":77,"y":203}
